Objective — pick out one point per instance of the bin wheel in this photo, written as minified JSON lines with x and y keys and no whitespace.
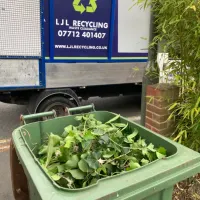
{"x":57,"y":103}
{"x":18,"y":177}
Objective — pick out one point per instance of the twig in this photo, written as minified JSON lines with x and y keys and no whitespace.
{"x":179,"y":187}
{"x":176,"y":198}
{"x":197,"y":181}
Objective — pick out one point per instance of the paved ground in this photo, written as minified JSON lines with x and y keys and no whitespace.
{"x":9,"y":120}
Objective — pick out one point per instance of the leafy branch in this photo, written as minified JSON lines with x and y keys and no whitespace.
{"x":94,"y":150}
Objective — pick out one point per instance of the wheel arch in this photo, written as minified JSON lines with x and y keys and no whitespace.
{"x":46,"y":94}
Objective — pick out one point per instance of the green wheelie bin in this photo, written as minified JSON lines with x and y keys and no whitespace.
{"x":154,"y":181}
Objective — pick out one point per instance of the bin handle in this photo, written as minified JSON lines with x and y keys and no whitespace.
{"x":28,"y":118}
{"x":81,"y":109}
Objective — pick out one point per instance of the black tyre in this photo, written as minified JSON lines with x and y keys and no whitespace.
{"x":57,"y":103}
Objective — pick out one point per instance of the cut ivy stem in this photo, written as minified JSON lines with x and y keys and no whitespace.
{"x":117,"y":144}
{"x":109,"y":161}
{"x":124,"y":127}
{"x":115,"y":173}
{"x":87,"y":178}
{"x":101,"y":174}
{"x":70,"y":184}
{"x":85,"y":126}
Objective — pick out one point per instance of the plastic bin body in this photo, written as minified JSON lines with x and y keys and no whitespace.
{"x":154,"y":181}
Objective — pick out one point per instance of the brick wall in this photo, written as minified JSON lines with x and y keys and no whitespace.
{"x":159,"y":98}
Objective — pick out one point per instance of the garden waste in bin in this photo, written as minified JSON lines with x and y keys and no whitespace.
{"x":154,"y":181}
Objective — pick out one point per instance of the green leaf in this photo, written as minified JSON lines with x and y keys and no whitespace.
{"x":61,"y":168}
{"x":192,"y":115}
{"x":88,"y":136}
{"x":111,"y":129}
{"x":162,"y":150}
{"x":96,"y":155}
{"x":98,"y":132}
{"x":197,"y":103}
{"x":144,"y":151}
{"x":91,"y":116}
{"x":53,"y":140}
{"x":125,"y":150}
{"x":108,"y":155}
{"x":113,"y":119}
{"x":86,"y":144}
{"x":56,"y":139}
{"x":43,"y":150}
{"x":65,"y":154}
{"x":67,"y":130}
{"x":102,"y":126}
{"x":118,"y":134}
{"x":105,"y":139}
{"x":42,"y":161}
{"x":144,"y":162}
{"x":173,"y":106}
{"x":93,"y":163}
{"x":151,"y":156}
{"x":159,"y":155}
{"x":133,"y":135}
{"x":77,"y":174}
{"x":86,"y":118}
{"x":119,"y":125}
{"x":134,"y":165}
{"x":93,"y":181}
{"x":109,"y":168}
{"x":56,"y":177}
{"x":69,"y":141}
{"x":130,"y":158}
{"x":94,"y":173}
{"x":72,"y":163}
{"x":83,"y":166}
{"x":53,"y":168}
{"x":124,"y":127}
{"x":127,"y":141}
{"x":78,"y":118}
{"x":113,"y":163}
{"x":83,"y":156}
{"x":84,"y":184}
{"x":151,"y":147}
{"x":142,"y":142}
{"x":102,"y":169}
{"x":77,"y":136}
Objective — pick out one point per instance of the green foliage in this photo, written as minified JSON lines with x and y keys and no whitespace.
{"x":177,"y":30}
{"x":93,"y":150}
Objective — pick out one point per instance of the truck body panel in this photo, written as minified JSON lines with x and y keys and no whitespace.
{"x":59,"y":43}
{"x":92,"y":74}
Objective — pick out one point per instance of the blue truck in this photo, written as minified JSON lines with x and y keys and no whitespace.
{"x":54,"y":53}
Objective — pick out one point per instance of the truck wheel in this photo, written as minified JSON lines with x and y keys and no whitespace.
{"x":57,"y":103}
